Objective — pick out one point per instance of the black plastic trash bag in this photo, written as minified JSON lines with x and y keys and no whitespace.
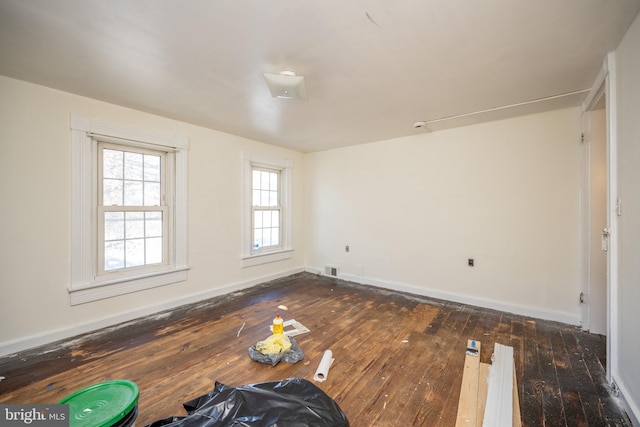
{"x":293,"y":355}
{"x":294,"y":402}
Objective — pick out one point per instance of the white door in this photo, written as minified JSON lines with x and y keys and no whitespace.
{"x":596,"y":297}
{"x":600,"y":209}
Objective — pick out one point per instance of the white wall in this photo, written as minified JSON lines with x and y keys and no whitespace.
{"x":413,"y":210}
{"x":627,"y":374}
{"x":35,"y":189}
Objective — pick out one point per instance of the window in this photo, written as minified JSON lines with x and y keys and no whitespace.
{"x":267,"y":209}
{"x":129,"y":210}
{"x":132,"y":216}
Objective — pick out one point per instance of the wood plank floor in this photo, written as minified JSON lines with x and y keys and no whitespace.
{"x":398,"y":358}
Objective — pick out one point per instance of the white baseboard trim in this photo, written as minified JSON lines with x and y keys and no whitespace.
{"x":21,"y":344}
{"x":630,"y":406}
{"x":523,"y":310}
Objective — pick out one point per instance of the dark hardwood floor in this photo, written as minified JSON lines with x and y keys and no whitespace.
{"x":398,"y":357}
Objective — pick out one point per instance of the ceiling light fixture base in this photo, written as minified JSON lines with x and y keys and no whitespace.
{"x":286,"y":85}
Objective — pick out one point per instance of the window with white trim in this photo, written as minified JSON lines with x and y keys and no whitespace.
{"x":132,"y":211}
{"x":129,"y":210}
{"x":266,"y":210}
{"x":266,"y":224}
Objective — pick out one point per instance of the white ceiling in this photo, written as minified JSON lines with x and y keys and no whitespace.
{"x":372,"y":67}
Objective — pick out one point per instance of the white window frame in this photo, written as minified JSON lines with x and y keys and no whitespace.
{"x":249,"y":257}
{"x":167,"y":158}
{"x":277,"y":207}
{"x":86,"y":283}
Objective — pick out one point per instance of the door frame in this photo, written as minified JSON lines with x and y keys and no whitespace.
{"x":604,"y":85}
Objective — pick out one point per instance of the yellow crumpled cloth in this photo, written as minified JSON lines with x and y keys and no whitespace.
{"x":274,"y":344}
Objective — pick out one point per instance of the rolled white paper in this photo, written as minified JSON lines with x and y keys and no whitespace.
{"x":323,"y":369}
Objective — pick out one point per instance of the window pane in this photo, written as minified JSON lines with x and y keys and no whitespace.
{"x":112,"y":192}
{"x":134,"y":225}
{"x":151,"y":194}
{"x":151,"y":168}
{"x":264,"y":198}
{"x":275,"y":218}
{"x":273,"y":198}
{"x":264,"y":180}
{"x":154,"y":250}
{"x":113,"y":226}
{"x":134,"y":252}
{"x":266,"y":237}
{"x":133,"y":166}
{"x":257,"y":240}
{"x":265,"y":188}
{"x":113,"y":255}
{"x":132,"y":178}
{"x":266,"y":218}
{"x":133,"y":193}
{"x":275,"y":236}
{"x":257,"y":219}
{"x":112,"y":164}
{"x":153,"y":224}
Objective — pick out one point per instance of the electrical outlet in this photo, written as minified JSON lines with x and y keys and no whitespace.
{"x":470,"y":262}
{"x":346,"y":248}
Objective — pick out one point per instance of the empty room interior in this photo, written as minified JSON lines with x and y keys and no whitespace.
{"x":397,"y":182}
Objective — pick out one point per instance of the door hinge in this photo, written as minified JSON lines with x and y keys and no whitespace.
{"x":582,"y":297}
{"x":619,"y":206}
{"x":582,"y":137}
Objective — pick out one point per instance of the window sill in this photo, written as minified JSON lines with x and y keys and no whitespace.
{"x":101,"y":289}
{"x":265,"y":258}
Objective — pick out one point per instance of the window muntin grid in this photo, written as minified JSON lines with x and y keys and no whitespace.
{"x":266,"y":209}
{"x":132,"y":217}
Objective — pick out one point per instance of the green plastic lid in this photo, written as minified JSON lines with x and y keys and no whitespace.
{"x":102,"y":404}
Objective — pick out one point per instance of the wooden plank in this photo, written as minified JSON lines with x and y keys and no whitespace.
{"x":483,"y":386}
{"x":584,"y":383}
{"x":468,"y":401}
{"x":406,"y":389}
{"x":569,"y":397}
{"x":549,"y":384}
{"x":390,"y":389}
{"x":499,"y":406}
{"x":530,"y":380}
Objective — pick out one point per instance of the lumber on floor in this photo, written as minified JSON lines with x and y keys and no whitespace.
{"x":483,"y":386}
{"x":474,"y":389}
{"x":468,"y":401}
{"x":397,"y":356}
{"x":499,"y":406}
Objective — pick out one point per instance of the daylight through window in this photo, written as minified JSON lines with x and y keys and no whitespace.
{"x":131,"y":210}
{"x":266,"y":209}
